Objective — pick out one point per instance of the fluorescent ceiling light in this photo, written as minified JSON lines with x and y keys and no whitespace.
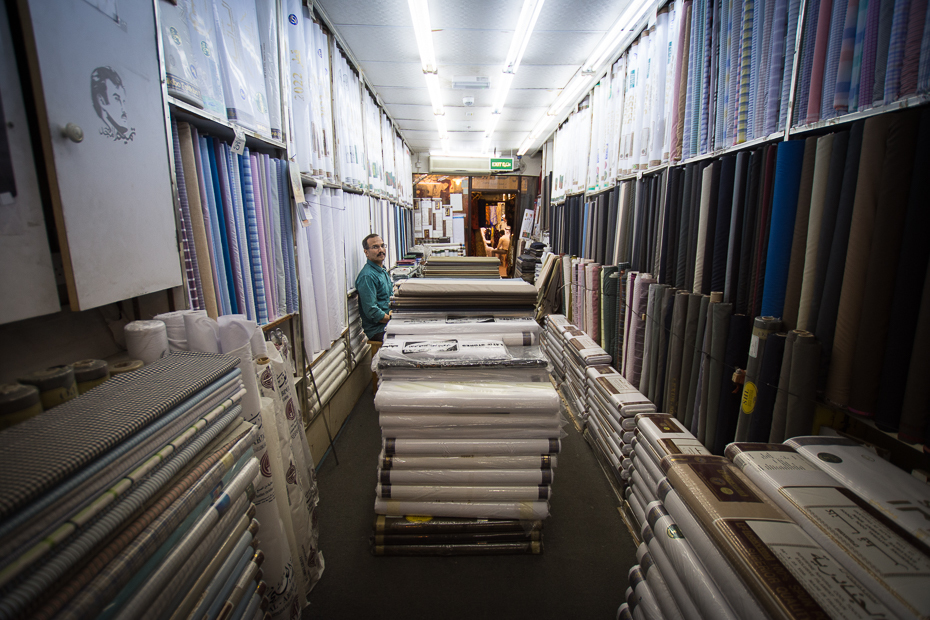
{"x":521,"y":36}
{"x":441,"y":126}
{"x":502,"y":90}
{"x":575,"y":87}
{"x":435,"y":97}
{"x":419,"y":12}
{"x":614,"y":37}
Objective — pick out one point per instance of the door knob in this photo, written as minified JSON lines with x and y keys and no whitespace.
{"x":73,"y":132}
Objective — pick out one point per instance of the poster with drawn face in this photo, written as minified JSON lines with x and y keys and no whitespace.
{"x":108,"y":96}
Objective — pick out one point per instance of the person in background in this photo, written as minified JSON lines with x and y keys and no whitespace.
{"x":374,"y":286}
{"x":501,"y":250}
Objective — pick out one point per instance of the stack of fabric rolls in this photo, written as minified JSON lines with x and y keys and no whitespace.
{"x":461,"y":267}
{"x":471,"y":428}
{"x":573,"y":351}
{"x":109,"y":499}
{"x":458,"y":293}
{"x":724,"y":543}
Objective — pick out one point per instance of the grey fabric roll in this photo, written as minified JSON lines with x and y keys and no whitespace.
{"x":675,"y":348}
{"x":799,"y":242}
{"x":780,"y":410}
{"x":761,"y":328}
{"x":704,"y":214}
{"x":734,"y":247}
{"x":666,"y":304}
{"x":802,"y":386}
{"x":718,"y":348}
{"x":815,"y":217}
{"x":690,"y":418}
{"x":647,"y":343}
{"x":655,"y":316}
{"x":687,"y":356}
{"x":703,"y":382}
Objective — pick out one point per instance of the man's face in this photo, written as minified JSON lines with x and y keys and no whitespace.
{"x":376,"y":250}
{"x":115,"y":111}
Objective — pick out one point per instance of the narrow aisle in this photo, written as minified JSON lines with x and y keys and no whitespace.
{"x":582,"y":572}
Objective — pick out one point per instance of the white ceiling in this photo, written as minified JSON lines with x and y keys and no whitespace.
{"x":471,"y":38}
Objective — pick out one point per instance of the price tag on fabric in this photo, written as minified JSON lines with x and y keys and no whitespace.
{"x":297,"y":185}
{"x":238,"y":145}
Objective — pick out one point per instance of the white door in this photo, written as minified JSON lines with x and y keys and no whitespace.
{"x":104,"y":125}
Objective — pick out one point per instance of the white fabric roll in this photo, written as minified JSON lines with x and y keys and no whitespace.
{"x":502,"y":462}
{"x":646,"y":600}
{"x":251,"y":403}
{"x":258,"y":341}
{"x":440,"y":397}
{"x":657,"y":584}
{"x":526,"y":510}
{"x":235,"y":331}
{"x":475,"y":477}
{"x":203,"y":333}
{"x":176,"y":327}
{"x":466,"y":447}
{"x":469,"y":420}
{"x":646,"y":465}
{"x":454,"y":432}
{"x":458,"y":493}
{"x":146,"y":340}
{"x":682,"y":598}
{"x":454,"y":324}
{"x":637,"y":508}
{"x":694,"y":575}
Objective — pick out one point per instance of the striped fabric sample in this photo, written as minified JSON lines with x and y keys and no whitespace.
{"x":191,"y":269}
{"x":902,"y":9}
{"x":847,"y":51}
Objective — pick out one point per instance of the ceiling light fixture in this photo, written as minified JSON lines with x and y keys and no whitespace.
{"x":529,"y":13}
{"x":419,"y":12}
{"x":617,"y":38}
{"x":435,"y":96}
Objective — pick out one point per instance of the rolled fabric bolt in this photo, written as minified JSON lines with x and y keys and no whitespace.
{"x":146,"y":340}
{"x":653,"y":576}
{"x":700,"y":586}
{"x":258,"y":341}
{"x":642,"y":591}
{"x":235,"y":331}
{"x":729,"y":582}
{"x":672,"y":579}
{"x":126,"y":366}
{"x":761,"y":328}
{"x":623,"y":612}
{"x":18,"y":403}
{"x":176,"y":328}
{"x":89,"y":374}
{"x":203,"y":333}
{"x":56,"y":385}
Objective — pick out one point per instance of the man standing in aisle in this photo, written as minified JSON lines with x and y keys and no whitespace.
{"x":374,"y":289}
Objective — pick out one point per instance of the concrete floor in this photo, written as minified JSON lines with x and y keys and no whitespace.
{"x":582,"y":573}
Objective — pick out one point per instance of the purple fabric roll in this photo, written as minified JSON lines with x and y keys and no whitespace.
{"x":638,"y":327}
{"x":902,"y":10}
{"x":791,"y":41}
{"x":910,"y":65}
{"x":869,"y":49}
{"x":745,"y":66}
{"x":847,"y":52}
{"x":776,"y":68}
{"x":818,"y":62}
{"x":837,"y":24}
{"x":853,"y":101}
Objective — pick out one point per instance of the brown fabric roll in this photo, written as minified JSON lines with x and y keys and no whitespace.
{"x":802,"y":386}
{"x":780,"y":410}
{"x":815,"y":217}
{"x":883,"y":261}
{"x":849,"y":313}
{"x":915,"y":411}
{"x":799,"y":244}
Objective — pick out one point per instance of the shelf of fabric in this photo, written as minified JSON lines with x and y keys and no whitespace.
{"x":220,"y":127}
{"x":278,"y":322}
{"x":910,"y":102}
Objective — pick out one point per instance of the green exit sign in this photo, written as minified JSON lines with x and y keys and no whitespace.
{"x":502,"y":163}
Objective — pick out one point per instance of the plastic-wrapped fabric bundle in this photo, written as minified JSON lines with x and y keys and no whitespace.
{"x":527,"y":510}
{"x":436,"y":492}
{"x":397,"y":421}
{"x":901,"y":497}
{"x":894,"y":569}
{"x":467,"y":373}
{"x":504,"y":462}
{"x":470,"y":447}
{"x":666,"y":436}
{"x":809,"y":578}
{"x":453,"y":352}
{"x":440,"y":397}
{"x":513,"y":339}
{"x":459,"y":324}
{"x":468,"y":477}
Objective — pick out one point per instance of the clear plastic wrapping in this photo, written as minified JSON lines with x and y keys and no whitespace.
{"x":454,"y":432}
{"x":502,"y":462}
{"x":457,"y":353}
{"x":461,"y":324}
{"x":515,"y":421}
{"x":511,"y":339}
{"x":474,"y":477}
{"x":466,"y":447}
{"x":462,"y":492}
{"x":526,"y":510}
{"x":464,"y":397}
{"x":480,"y":374}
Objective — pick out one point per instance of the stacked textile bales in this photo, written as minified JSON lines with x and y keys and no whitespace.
{"x":77,"y":478}
{"x":426,"y":293}
{"x":461,"y":267}
{"x":717,"y":521}
{"x":572,"y":351}
{"x":471,"y":429}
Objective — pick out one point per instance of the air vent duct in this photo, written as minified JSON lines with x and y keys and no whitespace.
{"x":459,"y":165}
{"x":469,"y":82}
